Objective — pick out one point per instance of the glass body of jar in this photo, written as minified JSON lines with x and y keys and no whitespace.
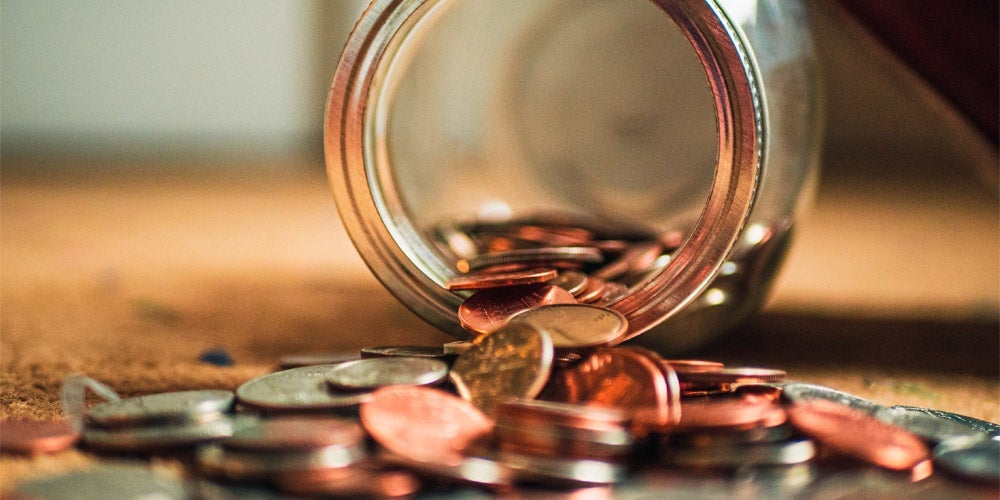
{"x":693,"y":123}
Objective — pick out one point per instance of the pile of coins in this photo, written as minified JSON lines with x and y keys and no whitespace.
{"x":544,"y":394}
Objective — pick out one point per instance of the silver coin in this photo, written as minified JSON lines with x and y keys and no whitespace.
{"x":569,"y":471}
{"x":473,"y":470}
{"x":298,"y":389}
{"x":313,"y":359}
{"x":755,"y":435}
{"x":969,"y":457}
{"x":157,"y":437}
{"x":245,"y":465}
{"x":790,"y":452}
{"x":799,"y":391}
{"x":456,"y":347}
{"x":576,"y":326}
{"x":544,"y":254}
{"x":372,"y":373}
{"x":161,"y":408}
{"x":409,"y":351}
{"x":926,"y":425}
{"x":989,"y":428}
{"x":108,"y":482}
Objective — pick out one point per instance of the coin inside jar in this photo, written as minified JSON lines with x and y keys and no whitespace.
{"x":488,"y":309}
{"x":479,"y":281}
{"x":372,"y":373}
{"x":576,"y":326}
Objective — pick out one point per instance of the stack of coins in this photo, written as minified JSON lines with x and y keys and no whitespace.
{"x":155,"y":422}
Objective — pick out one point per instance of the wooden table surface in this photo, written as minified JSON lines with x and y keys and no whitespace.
{"x":889,"y":293}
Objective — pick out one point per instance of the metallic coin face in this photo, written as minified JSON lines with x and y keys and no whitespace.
{"x":593,"y":291}
{"x":111,"y":482}
{"x":857,"y":434}
{"x":576,"y":326}
{"x":28,"y":437}
{"x":926,"y":425}
{"x":423,"y":424}
{"x":797,"y":392}
{"x":970,"y":457}
{"x":489,"y":309}
{"x":164,"y":407}
{"x":989,"y":428}
{"x":790,"y":452}
{"x":298,"y":389}
{"x":479,"y":281}
{"x":562,"y":471}
{"x":512,"y":362}
{"x":408,"y":351}
{"x":313,"y":359}
{"x":286,"y":433}
{"x":572,"y":281}
{"x":359,"y":483}
{"x":158,"y":437}
{"x":372,"y":373}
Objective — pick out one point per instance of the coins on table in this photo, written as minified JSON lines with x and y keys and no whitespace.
{"x":36,"y":437}
{"x":488,"y":309}
{"x":372,"y":373}
{"x":111,"y":482}
{"x":297,"y":390}
{"x":512,"y":362}
{"x":970,"y":457}
{"x":576,"y":326}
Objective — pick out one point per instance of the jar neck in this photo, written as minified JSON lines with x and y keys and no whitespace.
{"x":359,"y":165}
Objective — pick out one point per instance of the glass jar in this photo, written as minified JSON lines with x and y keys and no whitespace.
{"x":690,"y":123}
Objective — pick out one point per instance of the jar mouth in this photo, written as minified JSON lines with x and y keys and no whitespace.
{"x":360,"y":163}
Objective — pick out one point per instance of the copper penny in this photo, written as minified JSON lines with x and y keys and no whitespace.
{"x":636,"y":258}
{"x":729,"y":414}
{"x":289,"y":433}
{"x":647,"y":419}
{"x":732,"y":376}
{"x":482,"y":280}
{"x":616,"y":378}
{"x":593,"y":291}
{"x":857,"y":434}
{"x":512,"y":362}
{"x":576,"y":326}
{"x":488,"y":309}
{"x":535,"y":255}
{"x":423,"y":424}
{"x":312,"y":359}
{"x":694,"y":365}
{"x":30,"y":437}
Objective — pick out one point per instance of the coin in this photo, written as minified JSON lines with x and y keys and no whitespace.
{"x":488,"y":309}
{"x":576,"y":326}
{"x":732,"y":376}
{"x":297,"y":389}
{"x":36,"y":437}
{"x":789,"y":452}
{"x":572,"y":281}
{"x":108,"y":482}
{"x":285,"y":433}
{"x":729,"y":414}
{"x":372,"y":373}
{"x":480,"y":471}
{"x":693,"y":365}
{"x":593,"y":291}
{"x":456,"y":347}
{"x":157,"y":437}
{"x":161,"y":408}
{"x":562,"y":471}
{"x":990,"y":428}
{"x":559,"y":429}
{"x":543,"y":256}
{"x":798,"y":392}
{"x":218,"y":460}
{"x":479,"y":281}
{"x":853,"y":432}
{"x":408,"y":351}
{"x":512,"y":362}
{"x":970,"y":457}
{"x":358,"y":483}
{"x":926,"y":425}
{"x":423,"y":424}
{"x":313,"y":359}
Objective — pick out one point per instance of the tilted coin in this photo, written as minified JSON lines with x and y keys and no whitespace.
{"x":157,"y":437}
{"x":974,"y":423}
{"x":372,"y":373}
{"x":970,"y":457}
{"x":731,"y":437}
{"x":480,"y":471}
{"x":854,"y":433}
{"x":285,"y":433}
{"x":313,"y":359}
{"x":532,"y":255}
{"x":298,"y":389}
{"x":359,"y":483}
{"x":512,"y":362}
{"x":408,"y":351}
{"x":559,"y":429}
{"x":576,"y":326}
{"x":798,"y":392}
{"x":110,"y":482}
{"x":161,"y":408}
{"x":562,"y":471}
{"x":694,"y":365}
{"x":926,"y":425}
{"x":456,"y":347}
{"x":729,"y":414}
{"x":732,"y":376}
{"x":572,"y":281}
{"x":31,"y":437}
{"x":593,"y":291}
{"x":238,"y":465}
{"x":488,"y":309}
{"x":423,"y":424}
{"x":477,"y":281}
{"x":795,"y":451}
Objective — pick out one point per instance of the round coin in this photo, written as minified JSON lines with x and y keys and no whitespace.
{"x":408,"y":351}
{"x":27,"y":437}
{"x":331,"y":358}
{"x":298,"y":389}
{"x":798,"y":392}
{"x":732,"y":376}
{"x":479,"y":281}
{"x":693,"y":365}
{"x":970,"y":457}
{"x":576,"y":326}
{"x":926,"y":425}
{"x":372,"y":373}
{"x":478,"y":471}
{"x":572,"y":281}
{"x":855,"y":433}
{"x":486,"y":310}
{"x":512,"y":362}
{"x":164,"y":407}
{"x":158,"y":437}
{"x":244,"y":465}
{"x":990,"y":428}
{"x":423,"y":424}
{"x":286,"y":433}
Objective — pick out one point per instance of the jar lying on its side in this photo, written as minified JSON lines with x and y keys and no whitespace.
{"x":690,"y":125}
